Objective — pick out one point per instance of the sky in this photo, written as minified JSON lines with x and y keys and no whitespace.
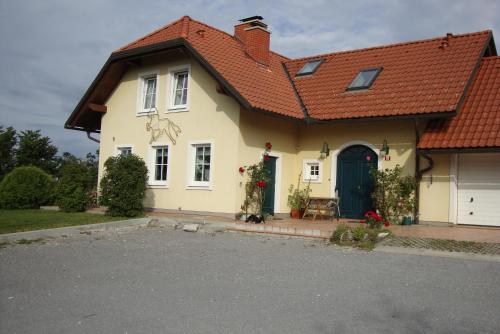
{"x":51,"y":50}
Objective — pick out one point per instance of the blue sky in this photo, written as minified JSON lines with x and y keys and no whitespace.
{"x":51,"y":50}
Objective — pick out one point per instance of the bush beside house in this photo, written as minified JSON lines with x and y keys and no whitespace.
{"x":26,"y":187}
{"x":74,"y":187}
{"x":123,"y":185}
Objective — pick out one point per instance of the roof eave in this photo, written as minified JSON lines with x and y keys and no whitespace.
{"x":143,"y":51}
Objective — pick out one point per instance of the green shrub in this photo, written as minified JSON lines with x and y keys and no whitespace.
{"x":358,"y":233}
{"x":340,"y":233}
{"x":25,"y":188}
{"x":73,"y":188}
{"x":123,"y":185}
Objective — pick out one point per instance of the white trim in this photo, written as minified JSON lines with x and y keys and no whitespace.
{"x":118,"y":146}
{"x":140,"y":111}
{"x":151,"y":165}
{"x":171,"y":86}
{"x":335,"y":153}
{"x":305,"y":170}
{"x":190,"y":183}
{"x":277,"y":179}
{"x":453,"y":208}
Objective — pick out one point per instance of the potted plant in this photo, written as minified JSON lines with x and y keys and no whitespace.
{"x":297,"y":199}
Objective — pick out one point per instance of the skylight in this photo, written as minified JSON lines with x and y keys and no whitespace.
{"x":364,"y":79}
{"x":310,"y":67}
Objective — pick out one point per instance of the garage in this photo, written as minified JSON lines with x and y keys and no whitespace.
{"x":478,"y":193}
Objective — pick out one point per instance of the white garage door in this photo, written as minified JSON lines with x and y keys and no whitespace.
{"x":479,"y":189}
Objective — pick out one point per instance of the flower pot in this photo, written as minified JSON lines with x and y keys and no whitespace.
{"x":295,"y":213}
{"x":406,"y":221}
{"x":302,"y":212}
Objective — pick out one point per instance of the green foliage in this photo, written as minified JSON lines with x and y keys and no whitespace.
{"x":36,"y":150}
{"x":358,"y":233}
{"x":25,"y":188}
{"x":123,"y":185}
{"x":340,"y":233}
{"x":297,"y":198}
{"x":257,"y":174}
{"x":8,"y":141}
{"x":74,"y":187}
{"x":394,"y":194}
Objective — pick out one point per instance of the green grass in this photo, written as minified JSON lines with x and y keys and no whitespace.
{"x":28,"y":220}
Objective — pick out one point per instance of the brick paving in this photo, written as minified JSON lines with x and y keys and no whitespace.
{"x":485,"y":248}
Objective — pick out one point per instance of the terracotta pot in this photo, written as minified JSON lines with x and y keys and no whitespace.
{"x":295,"y":213}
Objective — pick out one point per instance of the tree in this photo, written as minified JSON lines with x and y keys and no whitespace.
{"x":25,"y":187}
{"x":37,"y":150}
{"x":73,"y":187}
{"x":123,"y":185}
{"x":8,"y":141}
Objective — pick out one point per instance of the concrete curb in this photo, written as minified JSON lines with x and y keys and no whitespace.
{"x":74,"y":230}
{"x":277,"y":230}
{"x":433,"y":252}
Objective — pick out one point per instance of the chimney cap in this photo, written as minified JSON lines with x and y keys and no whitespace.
{"x":251,"y":18}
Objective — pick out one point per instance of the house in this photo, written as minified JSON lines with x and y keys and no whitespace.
{"x":196,"y":103}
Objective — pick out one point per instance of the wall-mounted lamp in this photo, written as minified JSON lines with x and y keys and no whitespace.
{"x":384,"y":151}
{"x":325,"y":151}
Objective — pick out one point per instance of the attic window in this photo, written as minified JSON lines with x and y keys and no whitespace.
{"x":310,"y":67}
{"x":364,"y":79}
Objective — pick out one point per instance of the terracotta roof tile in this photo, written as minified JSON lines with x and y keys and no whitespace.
{"x":478,"y":123}
{"x":417,"y":77}
{"x":266,"y":88}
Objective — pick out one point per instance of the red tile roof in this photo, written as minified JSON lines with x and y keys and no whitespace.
{"x":265,"y":88}
{"x":422,"y":77}
{"x":417,"y":78}
{"x":478,"y":123}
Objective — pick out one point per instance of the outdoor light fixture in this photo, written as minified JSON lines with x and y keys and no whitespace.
{"x":325,"y":151}
{"x":385,"y":149}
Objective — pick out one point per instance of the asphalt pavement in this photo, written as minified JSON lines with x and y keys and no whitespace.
{"x":159,"y":280}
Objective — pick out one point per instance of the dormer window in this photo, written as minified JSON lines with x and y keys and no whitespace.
{"x":310,"y":67}
{"x":364,"y":79}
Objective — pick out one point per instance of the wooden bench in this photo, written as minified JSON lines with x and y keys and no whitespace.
{"x":322,"y":206}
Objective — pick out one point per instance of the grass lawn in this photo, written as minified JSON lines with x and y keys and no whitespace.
{"x":28,"y":220}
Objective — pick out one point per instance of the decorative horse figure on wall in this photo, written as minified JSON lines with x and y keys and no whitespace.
{"x":162,"y":126}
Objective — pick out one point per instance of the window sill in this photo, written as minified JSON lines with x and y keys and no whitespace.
{"x":145,"y":113}
{"x":177,"y":109}
{"x":311,"y":181}
{"x":198,"y":187}
{"x":157,"y":185}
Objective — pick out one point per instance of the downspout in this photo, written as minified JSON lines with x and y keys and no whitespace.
{"x":419,"y":172}
{"x":92,"y":138}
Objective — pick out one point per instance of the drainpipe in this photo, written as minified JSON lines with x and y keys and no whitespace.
{"x":92,"y":138}
{"x":419,"y":172}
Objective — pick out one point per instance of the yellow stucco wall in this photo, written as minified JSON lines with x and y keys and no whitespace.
{"x":400,"y":136}
{"x":255,"y":130}
{"x":211,"y":116}
{"x":435,"y":189}
{"x":239,"y":136}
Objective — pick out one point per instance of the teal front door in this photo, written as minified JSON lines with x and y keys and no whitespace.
{"x":270,"y":189}
{"x":354,"y":182}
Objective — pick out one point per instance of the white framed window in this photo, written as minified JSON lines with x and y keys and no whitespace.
{"x":123,"y":149}
{"x":158,"y":165}
{"x":179,"y":88}
{"x":147,"y":94}
{"x":200,"y":172}
{"x":313,"y":171}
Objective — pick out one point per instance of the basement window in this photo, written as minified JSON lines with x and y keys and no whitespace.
{"x":309,"y":68}
{"x":364,"y":79}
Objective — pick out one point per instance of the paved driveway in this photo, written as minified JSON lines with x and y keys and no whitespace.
{"x":161,"y":281}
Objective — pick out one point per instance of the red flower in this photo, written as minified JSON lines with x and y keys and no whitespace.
{"x":269,"y":146}
{"x":241,"y":170}
{"x":266,"y":157}
{"x":260,"y":184}
{"x":386,"y":223}
{"x":373,"y":215}
{"x":363,"y":222}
